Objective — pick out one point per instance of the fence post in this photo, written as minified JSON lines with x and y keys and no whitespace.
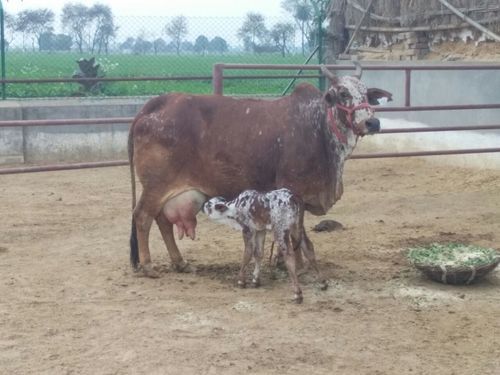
{"x":407,"y":87}
{"x":321,"y":82}
{"x":2,"y":47}
{"x":217,"y":84}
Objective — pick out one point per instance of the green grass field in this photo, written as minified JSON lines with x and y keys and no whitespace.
{"x":25,"y":65}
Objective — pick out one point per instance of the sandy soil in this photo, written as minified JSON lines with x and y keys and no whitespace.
{"x":70,"y":304}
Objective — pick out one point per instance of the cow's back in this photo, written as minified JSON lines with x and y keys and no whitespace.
{"x":221,"y":145}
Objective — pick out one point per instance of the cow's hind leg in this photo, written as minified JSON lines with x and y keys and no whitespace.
{"x":167,"y":232}
{"x":139,"y":239}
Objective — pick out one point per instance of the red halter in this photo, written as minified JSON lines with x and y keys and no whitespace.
{"x":348,"y":111}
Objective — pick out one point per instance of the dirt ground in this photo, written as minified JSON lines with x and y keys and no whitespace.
{"x":70,"y":304}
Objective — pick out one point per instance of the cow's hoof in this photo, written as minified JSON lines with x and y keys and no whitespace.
{"x":149,"y":271}
{"x":322,"y":285}
{"x":184,"y":267}
{"x":255,"y":283}
{"x":241,"y":284}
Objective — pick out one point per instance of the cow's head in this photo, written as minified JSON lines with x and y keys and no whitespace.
{"x":350,"y":104}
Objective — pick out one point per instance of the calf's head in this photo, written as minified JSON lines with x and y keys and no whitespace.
{"x":219,"y":210}
{"x":350,"y":102}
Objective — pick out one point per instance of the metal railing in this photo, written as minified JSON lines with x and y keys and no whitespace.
{"x":218,"y":78}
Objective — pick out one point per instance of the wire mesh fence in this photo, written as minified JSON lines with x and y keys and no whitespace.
{"x":165,"y":48}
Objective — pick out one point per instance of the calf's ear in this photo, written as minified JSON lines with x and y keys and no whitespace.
{"x":374,"y":94}
{"x":221,"y":207}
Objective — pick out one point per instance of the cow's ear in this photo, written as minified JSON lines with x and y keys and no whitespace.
{"x":221,"y":207}
{"x":374,"y":94}
{"x":330,"y":97}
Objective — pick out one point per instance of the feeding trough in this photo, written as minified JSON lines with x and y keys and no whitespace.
{"x":454,"y":263}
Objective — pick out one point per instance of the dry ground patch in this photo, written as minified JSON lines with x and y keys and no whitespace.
{"x":69,"y":302}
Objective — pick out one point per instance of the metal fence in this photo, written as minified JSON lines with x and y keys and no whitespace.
{"x":43,"y":64}
{"x":218,"y":85}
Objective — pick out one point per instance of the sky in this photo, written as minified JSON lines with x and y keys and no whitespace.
{"x":147,"y":18}
{"x":189,"y":8}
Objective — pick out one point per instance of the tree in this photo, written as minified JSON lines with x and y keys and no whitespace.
{"x":128,"y":44}
{"x":55,"y":42}
{"x":46,"y":41}
{"x":101,"y":28}
{"x":252,"y":31}
{"x":35,"y":23}
{"x":106,"y":33}
{"x":187,"y":46}
{"x":10,"y":28}
{"x":282,"y":35}
{"x":218,"y":45}
{"x":75,"y":19}
{"x":142,"y":46}
{"x":159,"y":46}
{"x":177,"y":29}
{"x":308,"y":14}
{"x":62,"y":42}
{"x":201,"y":44}
{"x":90,"y":27}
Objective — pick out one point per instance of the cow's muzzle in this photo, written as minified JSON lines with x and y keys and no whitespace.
{"x":372,"y":125}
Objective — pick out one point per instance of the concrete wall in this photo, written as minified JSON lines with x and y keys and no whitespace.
{"x":49,"y":144}
{"x":452,"y":87}
{"x":76,"y":143}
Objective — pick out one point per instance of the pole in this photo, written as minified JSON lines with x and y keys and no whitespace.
{"x":299,"y":72}
{"x":2,"y":47}
{"x":363,"y":16}
{"x":470,"y":21}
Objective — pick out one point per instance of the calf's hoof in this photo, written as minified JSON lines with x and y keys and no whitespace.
{"x":297,"y":298}
{"x":255,"y":283}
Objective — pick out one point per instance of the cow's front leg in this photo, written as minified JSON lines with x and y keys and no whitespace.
{"x":167,"y":232}
{"x":307,"y":248}
{"x":285,"y":246}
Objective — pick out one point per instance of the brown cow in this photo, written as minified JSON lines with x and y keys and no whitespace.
{"x":186,"y":148}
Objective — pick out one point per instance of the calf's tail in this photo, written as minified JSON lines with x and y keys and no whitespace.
{"x":134,"y":246}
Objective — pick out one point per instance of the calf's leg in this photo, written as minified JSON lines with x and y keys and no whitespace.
{"x":258,"y":253}
{"x":249,"y":240}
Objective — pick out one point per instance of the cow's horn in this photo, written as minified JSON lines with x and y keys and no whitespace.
{"x":359,"y":69}
{"x":327,"y":73}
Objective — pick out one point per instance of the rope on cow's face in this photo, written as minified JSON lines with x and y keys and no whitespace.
{"x":348,"y":110}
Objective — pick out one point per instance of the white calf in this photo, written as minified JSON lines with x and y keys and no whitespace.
{"x":254,"y":213}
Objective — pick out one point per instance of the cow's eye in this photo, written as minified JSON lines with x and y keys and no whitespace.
{"x":344,"y":96}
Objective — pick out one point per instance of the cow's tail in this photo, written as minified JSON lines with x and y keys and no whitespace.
{"x":134,"y":246}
